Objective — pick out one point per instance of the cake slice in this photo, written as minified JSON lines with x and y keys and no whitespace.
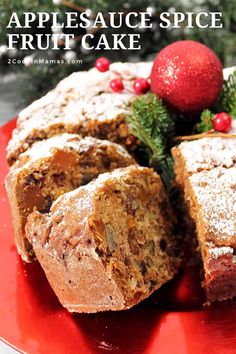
{"x":81,"y":103}
{"x":51,"y":168}
{"x":109,"y":244}
{"x":206,"y":173}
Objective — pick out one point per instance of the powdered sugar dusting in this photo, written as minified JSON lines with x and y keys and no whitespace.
{"x":78,"y":99}
{"x":217,"y":252}
{"x":95,"y":186}
{"x":65,"y":142}
{"x":215,"y":192}
{"x":131,"y":71}
{"x":207,"y":153}
{"x":228,"y":71}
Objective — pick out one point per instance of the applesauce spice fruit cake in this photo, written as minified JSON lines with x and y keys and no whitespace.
{"x":109,"y":244}
{"x":206,"y":173}
{"x":81,"y":103}
{"x":106,"y":241}
{"x":52,"y":167}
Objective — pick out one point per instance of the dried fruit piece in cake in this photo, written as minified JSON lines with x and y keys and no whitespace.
{"x":206,"y":173}
{"x":107,"y":245}
{"x":51,"y":168}
{"x":81,"y":103}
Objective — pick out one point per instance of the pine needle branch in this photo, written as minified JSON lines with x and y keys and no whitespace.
{"x":227,"y":99}
{"x":151,"y":123}
{"x":206,"y":122}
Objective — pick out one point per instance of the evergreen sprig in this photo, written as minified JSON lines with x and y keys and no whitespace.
{"x":206,"y":122}
{"x":225,"y":103}
{"x":151,"y":122}
{"x":227,"y":99}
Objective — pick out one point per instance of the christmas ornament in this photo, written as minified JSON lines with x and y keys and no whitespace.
{"x":151,"y":10}
{"x":57,"y":2}
{"x":90,"y":29}
{"x":117,"y":85}
{"x":83,"y":50}
{"x":12,"y":53}
{"x":57,"y":29}
{"x":89,"y":13}
{"x":3,"y":49}
{"x":222,"y":122}
{"x":70,"y":55}
{"x":72,"y":43}
{"x":28,"y":60}
{"x":126,"y":5}
{"x":188,"y":76}
{"x":102,"y":64}
{"x":141,"y":86}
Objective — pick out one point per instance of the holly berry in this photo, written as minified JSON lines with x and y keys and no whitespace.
{"x":188,"y":76}
{"x":116,"y":85}
{"x":222,"y":122}
{"x":102,"y":64}
{"x":141,"y":86}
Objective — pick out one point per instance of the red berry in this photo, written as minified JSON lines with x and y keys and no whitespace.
{"x":141,"y":86}
{"x":117,"y":85}
{"x":102,"y":64}
{"x":222,"y":122}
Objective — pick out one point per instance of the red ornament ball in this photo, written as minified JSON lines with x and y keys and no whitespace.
{"x":222,"y":122}
{"x":141,"y":86}
{"x":117,"y":85}
{"x":188,"y":76}
{"x":102,"y":64}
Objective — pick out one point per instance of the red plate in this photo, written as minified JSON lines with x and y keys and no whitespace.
{"x":173,"y":321}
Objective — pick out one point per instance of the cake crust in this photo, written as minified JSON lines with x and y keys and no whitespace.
{"x":52,"y":167}
{"x":82,"y":103}
{"x":206,"y":173}
{"x":107,"y":245}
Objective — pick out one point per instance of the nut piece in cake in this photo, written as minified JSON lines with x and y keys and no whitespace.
{"x":82,"y":103}
{"x":109,"y":244}
{"x":206,"y":173}
{"x":52,"y":167}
